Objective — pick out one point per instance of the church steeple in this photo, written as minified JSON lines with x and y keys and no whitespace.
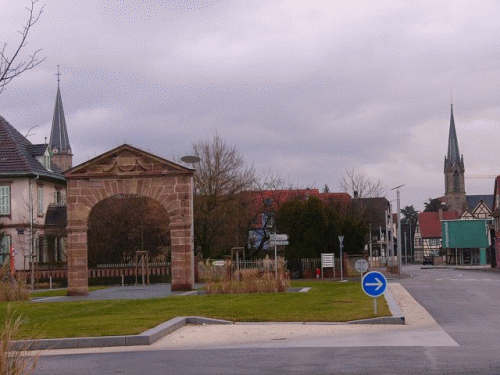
{"x":59,"y":140}
{"x":453,"y":153}
{"x":454,"y":170}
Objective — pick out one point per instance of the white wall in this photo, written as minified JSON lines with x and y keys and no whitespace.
{"x":20,"y":214}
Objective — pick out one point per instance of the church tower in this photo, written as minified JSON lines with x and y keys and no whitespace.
{"x":59,"y":141}
{"x":454,"y":183}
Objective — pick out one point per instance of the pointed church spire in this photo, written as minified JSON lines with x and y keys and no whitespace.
{"x":453,"y":152}
{"x":454,"y":170}
{"x":59,"y":140}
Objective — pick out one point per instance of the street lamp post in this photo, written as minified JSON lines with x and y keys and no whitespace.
{"x":406,"y":251}
{"x":399,"y":227}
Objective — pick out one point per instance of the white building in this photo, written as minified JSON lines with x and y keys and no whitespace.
{"x":32,"y":194}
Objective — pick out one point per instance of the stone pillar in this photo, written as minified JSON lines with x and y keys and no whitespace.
{"x":182,"y":256}
{"x":77,"y":262}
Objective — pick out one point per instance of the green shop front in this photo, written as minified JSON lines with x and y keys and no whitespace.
{"x":466,"y":242}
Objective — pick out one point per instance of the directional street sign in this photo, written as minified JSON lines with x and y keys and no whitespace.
{"x":374,"y":284}
{"x":278,"y":243}
{"x":278,"y":237}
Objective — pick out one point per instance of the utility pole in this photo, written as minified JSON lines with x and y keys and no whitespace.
{"x":406,"y":251}
{"x":341,"y":239}
{"x":411,"y":245}
{"x":371,"y":254}
{"x":380,"y":241}
{"x":399,"y":227}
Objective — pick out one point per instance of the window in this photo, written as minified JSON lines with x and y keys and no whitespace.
{"x":5,"y":200}
{"x":433,"y":241}
{"x":58,"y":198}
{"x":46,"y":158}
{"x":268,"y":220}
{"x":4,"y":249}
{"x":40,"y":200}
{"x":62,"y":249}
{"x":456,"y":182}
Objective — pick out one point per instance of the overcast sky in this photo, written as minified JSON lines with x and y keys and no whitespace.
{"x":305,"y":89}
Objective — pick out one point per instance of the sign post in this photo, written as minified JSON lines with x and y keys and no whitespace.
{"x":327,"y":260}
{"x":275,"y":240}
{"x":361,"y":266}
{"x":374,"y":285}
{"x":341,"y":239}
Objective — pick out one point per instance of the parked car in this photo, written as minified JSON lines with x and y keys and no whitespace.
{"x":428,"y":260}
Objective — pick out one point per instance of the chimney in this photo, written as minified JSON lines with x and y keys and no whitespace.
{"x":440,"y":211}
{"x":355,"y":194}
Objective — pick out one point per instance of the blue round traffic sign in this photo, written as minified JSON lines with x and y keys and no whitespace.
{"x":374,"y":284}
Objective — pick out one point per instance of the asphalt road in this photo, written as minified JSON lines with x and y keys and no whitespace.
{"x":465,"y":304}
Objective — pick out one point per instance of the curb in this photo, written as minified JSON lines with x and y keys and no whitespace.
{"x":146,"y":338}
{"x":382,"y":320}
{"x":396,"y":318}
{"x":154,"y":334}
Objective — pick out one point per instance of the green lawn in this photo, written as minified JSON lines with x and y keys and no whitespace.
{"x":325,"y":302}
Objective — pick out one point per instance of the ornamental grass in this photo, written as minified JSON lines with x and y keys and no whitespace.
{"x":15,"y":358}
{"x":11,"y":287}
{"x":262,"y":278}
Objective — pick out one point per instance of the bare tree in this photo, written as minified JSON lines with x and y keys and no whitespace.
{"x":121,"y":225}
{"x":10,"y":65}
{"x":220,"y":180}
{"x":267,"y":197}
{"x":358,"y":185}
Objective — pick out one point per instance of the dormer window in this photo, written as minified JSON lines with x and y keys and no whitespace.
{"x":47,"y":158}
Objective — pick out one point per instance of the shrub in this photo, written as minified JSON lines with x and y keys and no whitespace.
{"x":261,"y":279}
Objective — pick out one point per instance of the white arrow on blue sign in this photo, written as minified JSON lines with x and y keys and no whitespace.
{"x":374,"y":284}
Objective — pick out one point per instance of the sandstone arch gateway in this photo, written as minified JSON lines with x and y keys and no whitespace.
{"x":128,"y":170}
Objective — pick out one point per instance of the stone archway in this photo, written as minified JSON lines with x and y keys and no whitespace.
{"x":128,"y":170}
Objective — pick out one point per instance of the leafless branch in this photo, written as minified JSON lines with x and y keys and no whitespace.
{"x":359,"y":185}
{"x":28,"y":133}
{"x":219,"y":210}
{"x":10,"y":66}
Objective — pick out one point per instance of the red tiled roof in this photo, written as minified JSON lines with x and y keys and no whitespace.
{"x":267,"y":200}
{"x":430,"y":225}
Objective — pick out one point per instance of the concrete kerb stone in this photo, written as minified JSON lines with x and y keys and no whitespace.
{"x":381,"y":320}
{"x":146,"y":338}
{"x":396,"y":318}
{"x":154,"y":334}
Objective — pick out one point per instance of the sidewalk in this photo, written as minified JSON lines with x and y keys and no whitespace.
{"x":122,"y":292}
